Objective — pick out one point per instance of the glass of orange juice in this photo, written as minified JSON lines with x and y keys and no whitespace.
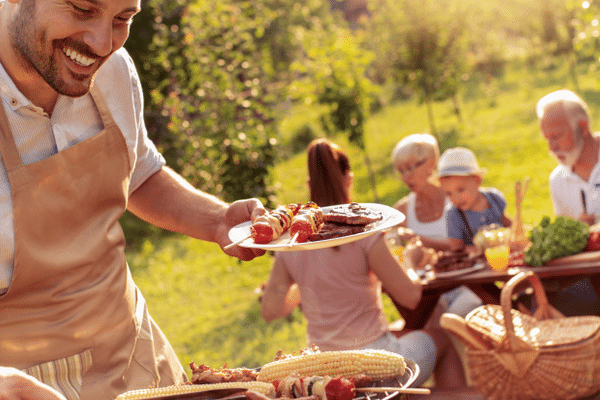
{"x":497,"y":256}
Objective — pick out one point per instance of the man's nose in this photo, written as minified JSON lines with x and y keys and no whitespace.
{"x":99,"y":37}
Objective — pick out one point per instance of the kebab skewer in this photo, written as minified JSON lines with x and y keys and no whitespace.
{"x":270,"y":226}
{"x":307,"y":222}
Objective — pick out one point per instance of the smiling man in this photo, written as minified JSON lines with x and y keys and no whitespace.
{"x":75,"y":154}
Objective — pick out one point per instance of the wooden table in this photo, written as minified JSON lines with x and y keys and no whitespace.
{"x":483,"y":283}
{"x":560,"y":272}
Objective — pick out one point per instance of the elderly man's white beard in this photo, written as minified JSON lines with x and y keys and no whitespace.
{"x":569,"y":158}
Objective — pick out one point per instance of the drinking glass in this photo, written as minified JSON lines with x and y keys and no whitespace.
{"x":497,"y":256}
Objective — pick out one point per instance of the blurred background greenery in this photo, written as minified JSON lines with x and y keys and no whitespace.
{"x":235,"y":90}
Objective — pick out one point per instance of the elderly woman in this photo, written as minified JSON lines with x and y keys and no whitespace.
{"x":415,"y":158}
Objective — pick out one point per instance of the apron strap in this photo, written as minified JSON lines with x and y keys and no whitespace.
{"x":8,"y":148}
{"x":103,"y":109}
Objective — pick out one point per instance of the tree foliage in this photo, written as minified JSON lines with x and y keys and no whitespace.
{"x":420,"y":46}
{"x":585,"y":22}
{"x":213,"y":106}
{"x":215,"y":74}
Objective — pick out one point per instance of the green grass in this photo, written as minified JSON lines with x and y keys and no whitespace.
{"x":205,"y":302}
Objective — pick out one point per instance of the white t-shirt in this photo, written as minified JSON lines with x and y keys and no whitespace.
{"x":566,"y":187}
{"x":433,"y":229}
{"x":73,"y":120}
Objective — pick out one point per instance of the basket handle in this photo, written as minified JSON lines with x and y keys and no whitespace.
{"x":506,"y":301}
{"x":456,"y":324}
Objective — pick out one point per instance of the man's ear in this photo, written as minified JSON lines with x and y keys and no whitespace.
{"x":584,"y":127}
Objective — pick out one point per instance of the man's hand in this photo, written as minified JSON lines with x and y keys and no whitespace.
{"x":589,"y":219}
{"x":238,"y":212}
{"x":16,"y":385}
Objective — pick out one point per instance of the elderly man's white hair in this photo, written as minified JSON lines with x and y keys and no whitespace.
{"x":574,"y":106}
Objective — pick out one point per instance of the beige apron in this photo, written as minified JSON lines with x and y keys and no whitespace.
{"x":72,"y":315}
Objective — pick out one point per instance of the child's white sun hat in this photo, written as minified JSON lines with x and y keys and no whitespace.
{"x":458,"y":161}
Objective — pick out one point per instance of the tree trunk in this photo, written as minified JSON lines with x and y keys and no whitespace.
{"x":457,"y":111}
{"x":430,"y":117}
{"x":371,"y":176}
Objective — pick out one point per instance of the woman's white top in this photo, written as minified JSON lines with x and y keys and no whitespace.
{"x":435,"y":229}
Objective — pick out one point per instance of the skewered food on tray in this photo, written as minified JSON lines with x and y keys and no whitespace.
{"x":310,"y":223}
{"x":309,"y":375}
{"x":271,"y":225}
{"x":329,"y":234}
{"x":306,"y":222}
{"x":322,"y":387}
{"x":204,"y":374}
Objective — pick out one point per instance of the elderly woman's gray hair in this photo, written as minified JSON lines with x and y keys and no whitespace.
{"x":419,"y":145}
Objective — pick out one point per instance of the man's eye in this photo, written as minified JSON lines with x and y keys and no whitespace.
{"x":79,"y":9}
{"x":125,"y":20}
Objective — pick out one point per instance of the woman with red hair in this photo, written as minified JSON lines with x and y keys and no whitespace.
{"x":339,"y":288}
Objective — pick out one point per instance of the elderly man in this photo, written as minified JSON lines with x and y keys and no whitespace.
{"x":574,"y":183}
{"x":565,"y":124}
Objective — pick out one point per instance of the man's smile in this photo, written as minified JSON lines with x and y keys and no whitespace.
{"x":78,"y":57}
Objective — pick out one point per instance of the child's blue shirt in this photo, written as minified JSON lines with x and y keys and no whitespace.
{"x":492,"y":215}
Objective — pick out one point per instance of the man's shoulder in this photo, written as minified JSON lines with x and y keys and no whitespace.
{"x":560,"y":174}
{"x":118,"y":66}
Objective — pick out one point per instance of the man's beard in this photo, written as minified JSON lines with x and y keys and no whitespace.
{"x":569,"y":158}
{"x":34,"y":57}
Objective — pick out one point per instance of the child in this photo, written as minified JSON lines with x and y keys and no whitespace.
{"x":415,"y":158}
{"x":460,"y":177}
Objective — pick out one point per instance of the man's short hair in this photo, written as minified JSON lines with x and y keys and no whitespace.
{"x":574,"y":106}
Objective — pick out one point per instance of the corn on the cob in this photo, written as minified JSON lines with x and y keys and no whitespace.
{"x":376,"y":364}
{"x":265,"y":388}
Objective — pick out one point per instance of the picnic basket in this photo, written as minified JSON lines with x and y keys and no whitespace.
{"x":511,"y":355}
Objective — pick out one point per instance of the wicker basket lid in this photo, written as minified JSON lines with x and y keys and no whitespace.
{"x":488,"y":322}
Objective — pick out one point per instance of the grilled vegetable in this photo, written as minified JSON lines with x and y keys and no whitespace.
{"x":273,"y":224}
{"x":376,"y":364}
{"x":306,"y":222}
{"x":261,"y":387}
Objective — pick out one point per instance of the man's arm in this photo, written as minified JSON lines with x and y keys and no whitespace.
{"x":15,"y":384}
{"x":170,"y":202}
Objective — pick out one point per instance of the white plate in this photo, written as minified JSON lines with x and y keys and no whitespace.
{"x":459,"y":272}
{"x":391,"y":217}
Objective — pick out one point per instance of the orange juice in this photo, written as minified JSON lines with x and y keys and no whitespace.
{"x":398,"y":253}
{"x":497,"y":256}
